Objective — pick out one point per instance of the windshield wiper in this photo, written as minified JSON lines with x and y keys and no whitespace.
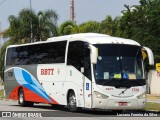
{"x":124,"y":91}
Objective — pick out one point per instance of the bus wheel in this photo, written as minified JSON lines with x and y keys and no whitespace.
{"x":117,"y":111}
{"x":29,"y":104}
{"x":22,"y":101}
{"x":72,"y":102}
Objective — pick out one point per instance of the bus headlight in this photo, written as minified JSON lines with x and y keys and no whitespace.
{"x":142,"y":96}
{"x":99,"y":95}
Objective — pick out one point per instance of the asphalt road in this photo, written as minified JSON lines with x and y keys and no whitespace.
{"x":11,"y":108}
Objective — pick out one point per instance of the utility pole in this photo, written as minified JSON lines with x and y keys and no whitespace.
{"x":72,"y":13}
{"x":30,"y":5}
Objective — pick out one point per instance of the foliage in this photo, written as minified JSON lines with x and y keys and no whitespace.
{"x":90,"y":26}
{"x":142,"y":23}
{"x":29,"y":25}
{"x":68,"y":27}
{"x":109,"y":25}
{"x":152,"y":106}
{"x":1,"y":93}
{"x":2,"y":55}
{"x":47,"y":26}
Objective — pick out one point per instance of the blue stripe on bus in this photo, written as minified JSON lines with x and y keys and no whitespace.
{"x":27,"y":80}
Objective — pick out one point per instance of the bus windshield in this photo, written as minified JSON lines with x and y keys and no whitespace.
{"x":119,"y":65}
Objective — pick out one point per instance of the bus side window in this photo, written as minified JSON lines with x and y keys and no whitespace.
{"x":14,"y":59}
{"x":9,"y":57}
{"x":76,"y":54}
{"x":53,"y":52}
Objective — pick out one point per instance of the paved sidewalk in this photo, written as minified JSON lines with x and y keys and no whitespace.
{"x":153,"y":98}
{"x":154,"y":101}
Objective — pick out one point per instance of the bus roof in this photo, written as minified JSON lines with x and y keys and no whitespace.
{"x":95,"y":38}
{"x":92,"y":38}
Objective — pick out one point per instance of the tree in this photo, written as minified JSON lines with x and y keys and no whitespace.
{"x":2,"y":55}
{"x":29,"y":25}
{"x":47,"y":24}
{"x":143,"y":24}
{"x":109,"y":25}
{"x":90,"y":26}
{"x":68,"y":27}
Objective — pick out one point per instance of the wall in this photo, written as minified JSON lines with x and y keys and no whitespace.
{"x":154,"y":82}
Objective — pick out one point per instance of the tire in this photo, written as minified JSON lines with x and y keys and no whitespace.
{"x":117,"y":111}
{"x":21,"y":99}
{"x":29,"y":104}
{"x":54,"y":106}
{"x":72,"y":105}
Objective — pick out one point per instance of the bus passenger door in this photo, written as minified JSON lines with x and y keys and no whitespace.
{"x":87,"y":79}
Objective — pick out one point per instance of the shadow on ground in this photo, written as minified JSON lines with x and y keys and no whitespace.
{"x":62,"y":111}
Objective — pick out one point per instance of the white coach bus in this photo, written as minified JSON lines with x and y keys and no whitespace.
{"x":86,"y":70}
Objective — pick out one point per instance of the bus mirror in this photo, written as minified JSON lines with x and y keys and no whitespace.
{"x":82,"y":69}
{"x":149,"y":54}
{"x":93,"y":54}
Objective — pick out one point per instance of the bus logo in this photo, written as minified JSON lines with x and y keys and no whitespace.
{"x":47,"y":71}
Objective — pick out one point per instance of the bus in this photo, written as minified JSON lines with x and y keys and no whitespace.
{"x":85,"y":70}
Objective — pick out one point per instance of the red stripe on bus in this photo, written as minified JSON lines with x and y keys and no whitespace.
{"x":14,"y":94}
{"x":30,"y":96}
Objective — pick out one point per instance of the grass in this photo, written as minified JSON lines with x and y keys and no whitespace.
{"x":152,"y":106}
{"x":1,"y":93}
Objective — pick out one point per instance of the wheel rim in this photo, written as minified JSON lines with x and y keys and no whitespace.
{"x":21,"y":97}
{"x":72,"y":101}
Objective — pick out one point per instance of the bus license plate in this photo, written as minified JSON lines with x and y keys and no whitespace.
{"x":122,"y":103}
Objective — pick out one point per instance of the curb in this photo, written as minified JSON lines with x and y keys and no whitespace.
{"x":153,"y":101}
{"x":5,"y":99}
{"x":153,"y":97}
{"x":154,"y":110}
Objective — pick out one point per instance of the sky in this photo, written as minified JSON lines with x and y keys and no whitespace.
{"x":85,"y":10}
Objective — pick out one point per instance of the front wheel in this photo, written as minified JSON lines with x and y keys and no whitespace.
{"x":72,"y":105}
{"x":117,"y":111}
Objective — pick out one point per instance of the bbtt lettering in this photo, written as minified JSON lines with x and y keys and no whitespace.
{"x":47,"y":71}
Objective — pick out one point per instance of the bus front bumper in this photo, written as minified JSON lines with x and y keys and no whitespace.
{"x":119,"y":104}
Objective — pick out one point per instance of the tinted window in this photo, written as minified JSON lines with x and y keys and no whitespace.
{"x":119,"y":65}
{"x":76,"y":54}
{"x":37,"y":54}
{"x":87,"y":63}
{"x":9,"y":57}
